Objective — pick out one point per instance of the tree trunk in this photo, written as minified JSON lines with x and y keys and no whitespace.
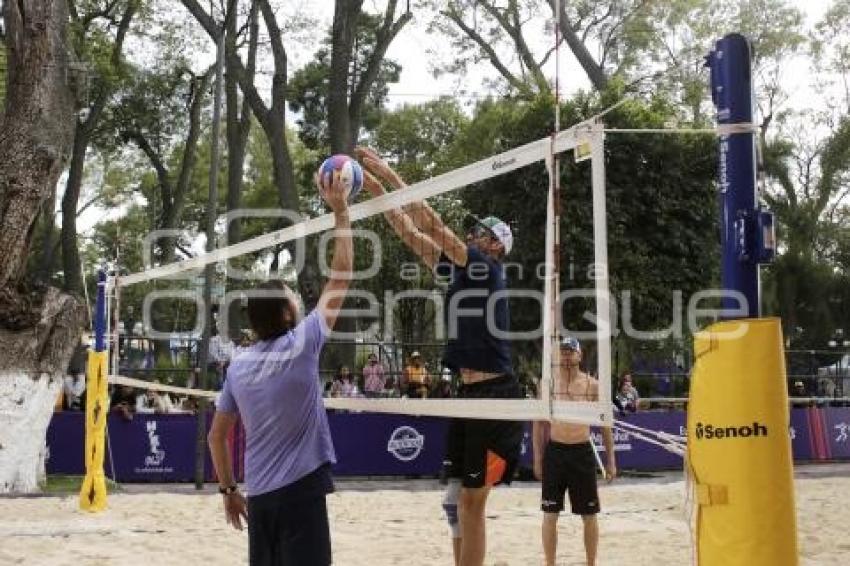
{"x":70,"y":250}
{"x":594,"y":71}
{"x":237,"y":131}
{"x":48,"y":243}
{"x":26,"y":406}
{"x":29,"y":384}
{"x":344,"y":29}
{"x":82,"y":136}
{"x":40,"y":328}
{"x":37,"y":128}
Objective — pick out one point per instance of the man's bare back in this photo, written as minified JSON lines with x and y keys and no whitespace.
{"x":578,"y":387}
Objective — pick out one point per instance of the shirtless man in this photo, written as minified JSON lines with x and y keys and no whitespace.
{"x":565,"y":461}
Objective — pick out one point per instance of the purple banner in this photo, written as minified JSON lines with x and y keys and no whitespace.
{"x":393,"y":445}
{"x":801,"y":435}
{"x":155,"y":448}
{"x":161,"y":448}
{"x":66,"y":441}
{"x":838,"y":432}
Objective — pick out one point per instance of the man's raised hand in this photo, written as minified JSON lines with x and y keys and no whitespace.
{"x":377,"y":166}
{"x":335,"y":193}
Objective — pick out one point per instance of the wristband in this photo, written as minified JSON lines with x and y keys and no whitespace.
{"x":228,"y":490}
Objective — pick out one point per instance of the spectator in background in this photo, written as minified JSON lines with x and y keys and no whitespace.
{"x":343,"y":383}
{"x":391,"y":387}
{"x":246,"y":338}
{"x":123,"y":402}
{"x":74,"y":385}
{"x":374,"y":377}
{"x":826,"y":387}
{"x":194,"y":378}
{"x":627,"y":396}
{"x":188,"y":405}
{"x":152,"y":401}
{"x":221,"y":350}
{"x":799,"y":389}
{"x":443,"y":388}
{"x":416,"y":378}
{"x":174,"y":346}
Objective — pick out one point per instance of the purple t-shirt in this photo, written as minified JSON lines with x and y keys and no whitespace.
{"x":274,"y":386}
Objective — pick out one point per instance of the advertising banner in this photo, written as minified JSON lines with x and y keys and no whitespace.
{"x":161,"y":448}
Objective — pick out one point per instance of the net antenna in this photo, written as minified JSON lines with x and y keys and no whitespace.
{"x":552,"y":319}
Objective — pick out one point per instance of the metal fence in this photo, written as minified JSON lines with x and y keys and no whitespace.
{"x":823,"y":374}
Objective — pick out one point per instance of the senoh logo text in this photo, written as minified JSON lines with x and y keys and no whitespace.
{"x":712,"y":432}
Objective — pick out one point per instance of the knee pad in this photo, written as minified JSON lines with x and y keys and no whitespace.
{"x":450,"y":505}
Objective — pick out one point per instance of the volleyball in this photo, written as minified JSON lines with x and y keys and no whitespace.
{"x":347,"y":169}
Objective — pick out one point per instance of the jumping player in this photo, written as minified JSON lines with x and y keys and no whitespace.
{"x":480,"y":453}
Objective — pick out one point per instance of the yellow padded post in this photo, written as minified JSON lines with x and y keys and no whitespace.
{"x":739,"y":449}
{"x":93,"y":490}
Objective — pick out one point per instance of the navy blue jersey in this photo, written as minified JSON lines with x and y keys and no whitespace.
{"x":470,"y":320}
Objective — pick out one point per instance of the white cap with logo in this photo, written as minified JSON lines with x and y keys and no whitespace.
{"x":500,"y":230}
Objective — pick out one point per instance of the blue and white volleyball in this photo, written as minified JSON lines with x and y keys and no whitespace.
{"x":346,"y":169}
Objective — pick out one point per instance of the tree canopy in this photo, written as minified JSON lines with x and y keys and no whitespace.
{"x":302,"y":84}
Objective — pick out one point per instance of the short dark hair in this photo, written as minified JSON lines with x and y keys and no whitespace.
{"x":265,"y":312}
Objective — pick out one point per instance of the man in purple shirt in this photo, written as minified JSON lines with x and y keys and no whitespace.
{"x":274,"y":387}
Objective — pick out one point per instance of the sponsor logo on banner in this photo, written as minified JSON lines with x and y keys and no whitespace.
{"x":406,"y":443}
{"x":155,"y":458}
{"x":622,"y":441}
{"x":715,"y":432}
{"x":843,"y":432}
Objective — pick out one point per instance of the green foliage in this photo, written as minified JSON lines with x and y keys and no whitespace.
{"x":308,"y":86}
{"x":154,"y":103}
{"x":661,"y":208}
{"x":419,"y":137}
{"x":806,"y":286}
{"x":660,"y":204}
{"x":831,"y":50}
{"x":681,"y":32}
{"x":810,"y":297}
{"x":418,"y":140}
{"x":660,"y":189}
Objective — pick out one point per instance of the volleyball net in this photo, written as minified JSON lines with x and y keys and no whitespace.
{"x":396,"y":299}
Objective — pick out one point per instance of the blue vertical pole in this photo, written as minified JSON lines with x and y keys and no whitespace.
{"x":100,"y":313}
{"x":746,"y":230}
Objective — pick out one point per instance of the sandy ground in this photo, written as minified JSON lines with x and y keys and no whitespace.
{"x":378,"y":522}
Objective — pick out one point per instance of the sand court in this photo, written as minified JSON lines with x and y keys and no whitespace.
{"x":389,"y":522}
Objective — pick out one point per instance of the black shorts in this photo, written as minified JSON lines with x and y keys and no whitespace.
{"x":484,"y":452}
{"x":289,"y":526}
{"x":569,"y":467}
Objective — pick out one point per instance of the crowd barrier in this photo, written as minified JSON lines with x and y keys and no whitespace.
{"x":161,"y":448}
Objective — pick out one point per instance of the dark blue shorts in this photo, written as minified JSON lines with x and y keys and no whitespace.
{"x":289,"y":526}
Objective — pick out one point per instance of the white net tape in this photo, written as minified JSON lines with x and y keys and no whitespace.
{"x":152,"y":386}
{"x":479,"y":171}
